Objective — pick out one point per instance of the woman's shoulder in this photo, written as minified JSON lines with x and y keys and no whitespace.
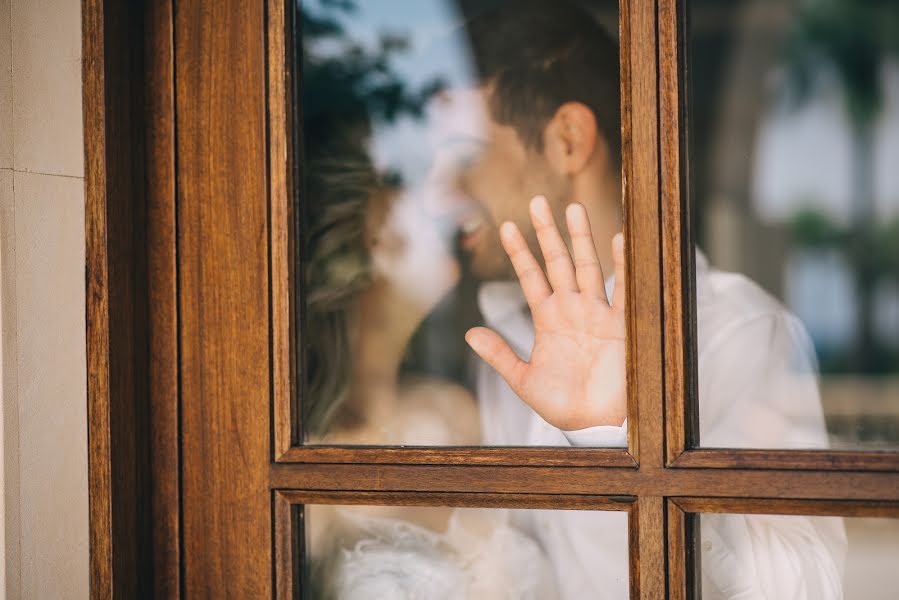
{"x":438,"y":412}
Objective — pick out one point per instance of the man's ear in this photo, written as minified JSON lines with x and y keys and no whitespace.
{"x":569,"y":138}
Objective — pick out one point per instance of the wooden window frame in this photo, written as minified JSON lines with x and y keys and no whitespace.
{"x":288,"y":505}
{"x":682,"y":430}
{"x":194,"y":468}
{"x":287,"y":317}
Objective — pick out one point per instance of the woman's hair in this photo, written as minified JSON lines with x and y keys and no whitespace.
{"x":340,"y":185}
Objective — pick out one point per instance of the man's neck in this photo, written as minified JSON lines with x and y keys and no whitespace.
{"x":601,"y":195}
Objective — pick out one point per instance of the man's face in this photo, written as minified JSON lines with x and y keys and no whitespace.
{"x":489,"y":176}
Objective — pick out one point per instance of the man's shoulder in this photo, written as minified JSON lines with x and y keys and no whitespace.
{"x":727,"y":301}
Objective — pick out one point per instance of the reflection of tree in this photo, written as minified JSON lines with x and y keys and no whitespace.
{"x":346,"y":86}
{"x":851,"y":40}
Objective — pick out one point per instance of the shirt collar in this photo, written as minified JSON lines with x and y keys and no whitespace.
{"x":498,"y":300}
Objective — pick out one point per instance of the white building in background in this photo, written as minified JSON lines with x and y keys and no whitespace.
{"x":803,"y":160}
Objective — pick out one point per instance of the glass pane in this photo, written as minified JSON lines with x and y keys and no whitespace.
{"x":424,"y":126}
{"x":793,"y":137}
{"x":798,"y":557}
{"x":356,"y":552}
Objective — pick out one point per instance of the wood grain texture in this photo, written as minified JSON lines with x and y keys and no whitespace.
{"x":681,"y":418}
{"x":783,"y":506}
{"x":163,"y":290}
{"x":678,"y":566}
{"x":229,"y":290}
{"x":97,"y":277}
{"x":562,"y":456}
{"x":648,"y":548}
{"x":460,"y":499}
{"x":821,"y":485}
{"x":117,"y":300}
{"x":627,"y":151}
{"x":223,"y":246}
{"x":645,"y":360}
{"x":286,"y":548}
{"x":805,"y":460}
{"x":280,"y":200}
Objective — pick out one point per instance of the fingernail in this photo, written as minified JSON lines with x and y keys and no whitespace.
{"x":470,"y":337}
{"x":540,"y":206}
{"x":575,"y":207}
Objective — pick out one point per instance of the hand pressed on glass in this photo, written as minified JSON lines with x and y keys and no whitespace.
{"x":575,"y":377}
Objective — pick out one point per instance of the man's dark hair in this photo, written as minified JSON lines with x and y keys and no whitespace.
{"x":539,"y":54}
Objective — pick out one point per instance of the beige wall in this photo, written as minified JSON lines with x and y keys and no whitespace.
{"x":43,"y":425}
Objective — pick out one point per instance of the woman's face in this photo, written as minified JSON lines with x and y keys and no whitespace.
{"x":410,"y":251}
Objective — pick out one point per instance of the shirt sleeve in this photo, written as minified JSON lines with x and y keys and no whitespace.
{"x":756,"y":557}
{"x":758,"y":388}
{"x":601,"y":436}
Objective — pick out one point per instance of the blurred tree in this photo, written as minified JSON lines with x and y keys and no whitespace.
{"x":851,"y":40}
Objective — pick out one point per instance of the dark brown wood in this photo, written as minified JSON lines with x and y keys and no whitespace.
{"x":223,"y":246}
{"x":280,"y":199}
{"x":571,"y":457}
{"x":648,"y":548}
{"x":680,"y":571}
{"x":677,"y":255}
{"x":286,"y":571}
{"x":782,"y":506}
{"x":624,"y":69}
{"x":163,"y":290}
{"x":581,"y":480}
{"x":460,"y":499}
{"x":633,"y":552}
{"x":98,"y":402}
{"x":728,"y":458}
{"x":645,"y":359}
{"x":117,"y":300}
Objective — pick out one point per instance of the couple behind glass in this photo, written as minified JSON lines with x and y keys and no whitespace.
{"x":548,"y":129}
{"x":541,"y":131}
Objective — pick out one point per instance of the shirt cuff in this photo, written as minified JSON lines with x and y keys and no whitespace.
{"x":601,"y":436}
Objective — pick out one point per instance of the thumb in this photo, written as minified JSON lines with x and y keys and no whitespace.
{"x":496,"y":352}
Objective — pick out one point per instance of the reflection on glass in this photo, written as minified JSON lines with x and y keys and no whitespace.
{"x":793,"y":133}
{"x":423,"y":126}
{"x":356,"y":552}
{"x":797,"y":557}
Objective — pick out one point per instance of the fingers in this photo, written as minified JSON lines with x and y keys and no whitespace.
{"x":586,"y":263}
{"x":530,"y":275}
{"x":555,"y":252}
{"x":496,"y":352}
{"x":619,"y":293}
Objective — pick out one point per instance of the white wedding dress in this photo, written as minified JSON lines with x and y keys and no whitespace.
{"x":480,"y":556}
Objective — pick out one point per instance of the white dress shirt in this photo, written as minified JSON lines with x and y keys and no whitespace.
{"x":757,"y":389}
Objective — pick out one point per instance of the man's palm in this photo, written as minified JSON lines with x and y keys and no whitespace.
{"x":575,"y":377}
